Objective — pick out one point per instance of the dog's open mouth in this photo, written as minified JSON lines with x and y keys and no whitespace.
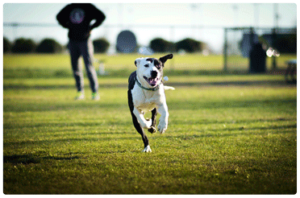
{"x":152,"y":81}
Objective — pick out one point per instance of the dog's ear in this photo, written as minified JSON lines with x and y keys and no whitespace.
{"x":137,"y":61}
{"x":165,"y":58}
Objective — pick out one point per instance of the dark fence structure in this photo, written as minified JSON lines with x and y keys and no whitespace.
{"x":279,"y":45}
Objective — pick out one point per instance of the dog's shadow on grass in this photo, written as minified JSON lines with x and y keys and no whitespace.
{"x":31,"y":159}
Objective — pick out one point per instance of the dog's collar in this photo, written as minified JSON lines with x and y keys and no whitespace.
{"x":149,"y":89}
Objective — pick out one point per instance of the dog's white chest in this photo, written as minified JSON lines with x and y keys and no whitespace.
{"x":147,"y":106}
{"x":145,"y":101}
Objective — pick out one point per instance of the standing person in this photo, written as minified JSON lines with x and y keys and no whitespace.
{"x":77,"y":18}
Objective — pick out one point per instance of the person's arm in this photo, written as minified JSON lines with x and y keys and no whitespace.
{"x":99,"y":16}
{"x":63,"y":17}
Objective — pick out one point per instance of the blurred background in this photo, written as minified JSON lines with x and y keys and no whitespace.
{"x":206,"y":37}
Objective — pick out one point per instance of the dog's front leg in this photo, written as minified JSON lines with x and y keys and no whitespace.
{"x":163,"y":121}
{"x":141,"y":119}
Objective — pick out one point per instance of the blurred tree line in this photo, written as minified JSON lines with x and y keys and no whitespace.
{"x":188,"y":45}
{"x":101,"y":45}
{"x":286,"y":43}
{"x":47,"y":45}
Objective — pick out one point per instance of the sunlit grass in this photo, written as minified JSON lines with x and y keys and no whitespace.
{"x":220,"y":140}
{"x":227,"y":134}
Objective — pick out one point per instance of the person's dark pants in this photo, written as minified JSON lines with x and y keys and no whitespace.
{"x":86,"y":50}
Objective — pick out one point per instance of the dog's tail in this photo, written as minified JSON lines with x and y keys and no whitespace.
{"x":168,"y":88}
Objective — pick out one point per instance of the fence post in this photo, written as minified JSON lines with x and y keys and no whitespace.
{"x":172,"y":67}
{"x":251,"y":37}
{"x":225,"y":49}
{"x":252,"y":68}
{"x":274,"y":65}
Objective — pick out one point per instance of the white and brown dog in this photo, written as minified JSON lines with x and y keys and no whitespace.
{"x":146,"y":93}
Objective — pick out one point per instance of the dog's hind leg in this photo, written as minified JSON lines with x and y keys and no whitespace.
{"x":141,"y":131}
{"x":137,"y":125}
{"x":153,"y":118}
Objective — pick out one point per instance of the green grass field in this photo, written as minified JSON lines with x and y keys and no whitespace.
{"x":227,"y":134}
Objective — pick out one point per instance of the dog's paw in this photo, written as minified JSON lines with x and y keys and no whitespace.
{"x":147,"y":149}
{"x":162,"y":127}
{"x":152,"y":129}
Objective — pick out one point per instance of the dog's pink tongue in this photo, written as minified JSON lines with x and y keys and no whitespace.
{"x":152,"y":81}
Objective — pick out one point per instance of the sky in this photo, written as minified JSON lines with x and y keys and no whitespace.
{"x":151,"y":20}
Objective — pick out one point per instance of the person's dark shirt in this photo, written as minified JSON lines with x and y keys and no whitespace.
{"x":77,"y":18}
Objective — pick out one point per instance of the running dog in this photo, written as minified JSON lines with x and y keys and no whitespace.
{"x":146,"y":92}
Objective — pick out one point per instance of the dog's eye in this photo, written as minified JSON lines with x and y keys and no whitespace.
{"x":146,"y":65}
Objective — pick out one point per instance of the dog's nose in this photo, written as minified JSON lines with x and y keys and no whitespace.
{"x":153,"y":74}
